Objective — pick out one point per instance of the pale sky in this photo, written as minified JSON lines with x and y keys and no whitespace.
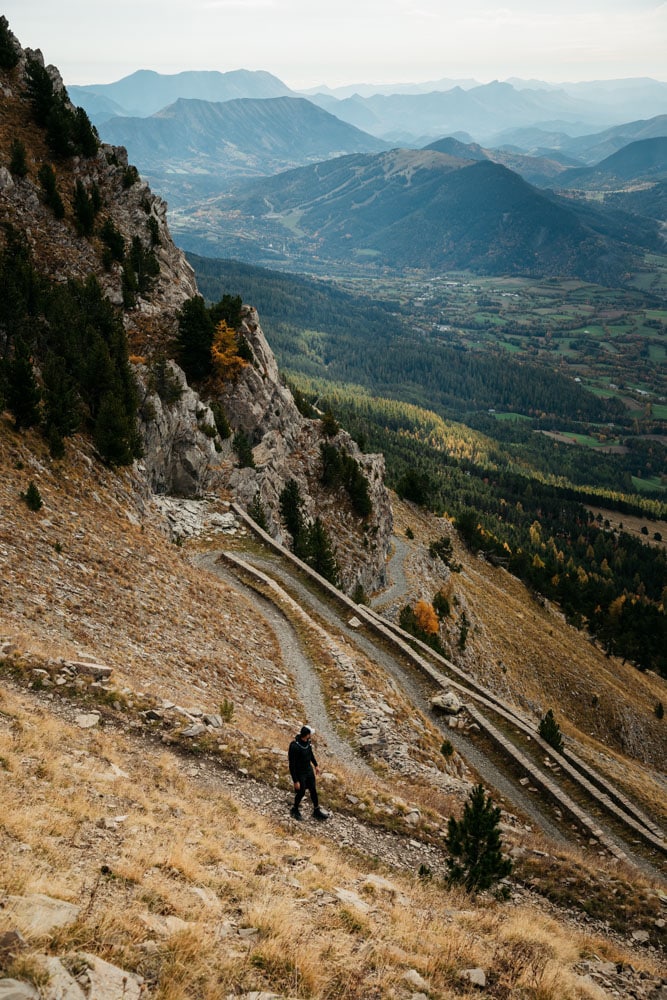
{"x":335,"y":42}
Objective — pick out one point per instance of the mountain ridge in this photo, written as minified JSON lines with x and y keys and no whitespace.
{"x":431,"y":210}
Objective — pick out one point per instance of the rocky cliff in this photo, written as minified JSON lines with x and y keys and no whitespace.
{"x":182,"y":454}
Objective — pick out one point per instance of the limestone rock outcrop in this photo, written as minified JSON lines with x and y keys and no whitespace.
{"x":179,"y":447}
{"x":286,"y":445}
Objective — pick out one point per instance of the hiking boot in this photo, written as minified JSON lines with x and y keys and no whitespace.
{"x":320,"y":814}
{"x":295,"y":813}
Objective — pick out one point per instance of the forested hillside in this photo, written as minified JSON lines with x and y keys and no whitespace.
{"x":517,"y":494}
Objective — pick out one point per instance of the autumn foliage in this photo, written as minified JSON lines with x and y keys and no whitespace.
{"x":225,"y":358}
{"x":426,"y":618}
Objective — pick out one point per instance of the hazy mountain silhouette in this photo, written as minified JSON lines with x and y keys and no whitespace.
{"x":247,"y":137}
{"x":145,"y":92}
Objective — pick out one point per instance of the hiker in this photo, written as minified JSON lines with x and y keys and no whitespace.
{"x":303,"y":768}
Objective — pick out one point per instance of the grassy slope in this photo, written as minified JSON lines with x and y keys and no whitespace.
{"x":192,"y":846}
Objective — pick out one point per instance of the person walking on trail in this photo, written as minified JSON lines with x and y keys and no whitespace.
{"x":303,"y":769}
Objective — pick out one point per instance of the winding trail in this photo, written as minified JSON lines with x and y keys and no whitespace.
{"x":416,"y":689}
{"x":398,"y":588}
{"x":513,"y":795}
{"x":296,"y":662}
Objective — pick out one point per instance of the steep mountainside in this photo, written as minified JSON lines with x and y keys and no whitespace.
{"x":156,"y":658}
{"x":125,"y":250}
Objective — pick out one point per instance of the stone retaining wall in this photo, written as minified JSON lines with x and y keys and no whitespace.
{"x":604,"y":794}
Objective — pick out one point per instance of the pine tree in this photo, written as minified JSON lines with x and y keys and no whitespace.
{"x":9,"y":56}
{"x":84,"y":210}
{"x":18,"y":162}
{"x":242,"y":445}
{"x":291,"y":508}
{"x":114,"y":433}
{"x":47,"y":179}
{"x":257,"y":512}
{"x":62,"y":410}
{"x":550,"y":732}
{"x":195,"y":338}
{"x":320,"y":555}
{"x":474,"y":844}
{"x":32,"y":497}
{"x":23,"y":393}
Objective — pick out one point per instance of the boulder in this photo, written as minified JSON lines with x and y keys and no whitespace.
{"x":477,"y":977}
{"x":447,"y":701}
{"x":37,"y":915}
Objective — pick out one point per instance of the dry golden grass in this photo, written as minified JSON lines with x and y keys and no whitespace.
{"x":219,"y":868}
{"x":132,"y":832}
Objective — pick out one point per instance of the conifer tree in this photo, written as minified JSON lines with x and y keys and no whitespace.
{"x":32,"y":497}
{"x":23,"y":393}
{"x":291,"y":508}
{"x":474,"y":844}
{"x":18,"y":163}
{"x":196,"y":331}
{"x":320,"y":555}
{"x":9,"y":57}
{"x":257,"y":512}
{"x":62,"y":412}
{"x":550,"y":732}
{"x":114,"y":433}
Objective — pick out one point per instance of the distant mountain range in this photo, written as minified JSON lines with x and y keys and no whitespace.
{"x":247,"y":137}
{"x":482,"y":112}
{"x":426,"y":209}
{"x":587,"y":149}
{"x":410,"y":114}
{"x":340,"y":194}
{"x":637,"y":162}
{"x":145,"y":92}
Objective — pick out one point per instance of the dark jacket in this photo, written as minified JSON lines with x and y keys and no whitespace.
{"x":301,"y":759}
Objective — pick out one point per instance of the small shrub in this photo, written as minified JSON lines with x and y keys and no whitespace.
{"x":243,"y":448}
{"x":446,"y":749}
{"x":18,"y":163}
{"x":226,"y":710}
{"x":32,"y":497}
{"x":330,"y":425}
{"x":409,"y":533}
{"x":359,"y":594}
{"x":130,"y":177}
{"x":463,"y":631}
{"x":550,"y":732}
{"x":659,"y":710}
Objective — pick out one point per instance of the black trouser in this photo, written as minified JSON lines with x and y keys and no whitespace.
{"x":306,"y":784}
